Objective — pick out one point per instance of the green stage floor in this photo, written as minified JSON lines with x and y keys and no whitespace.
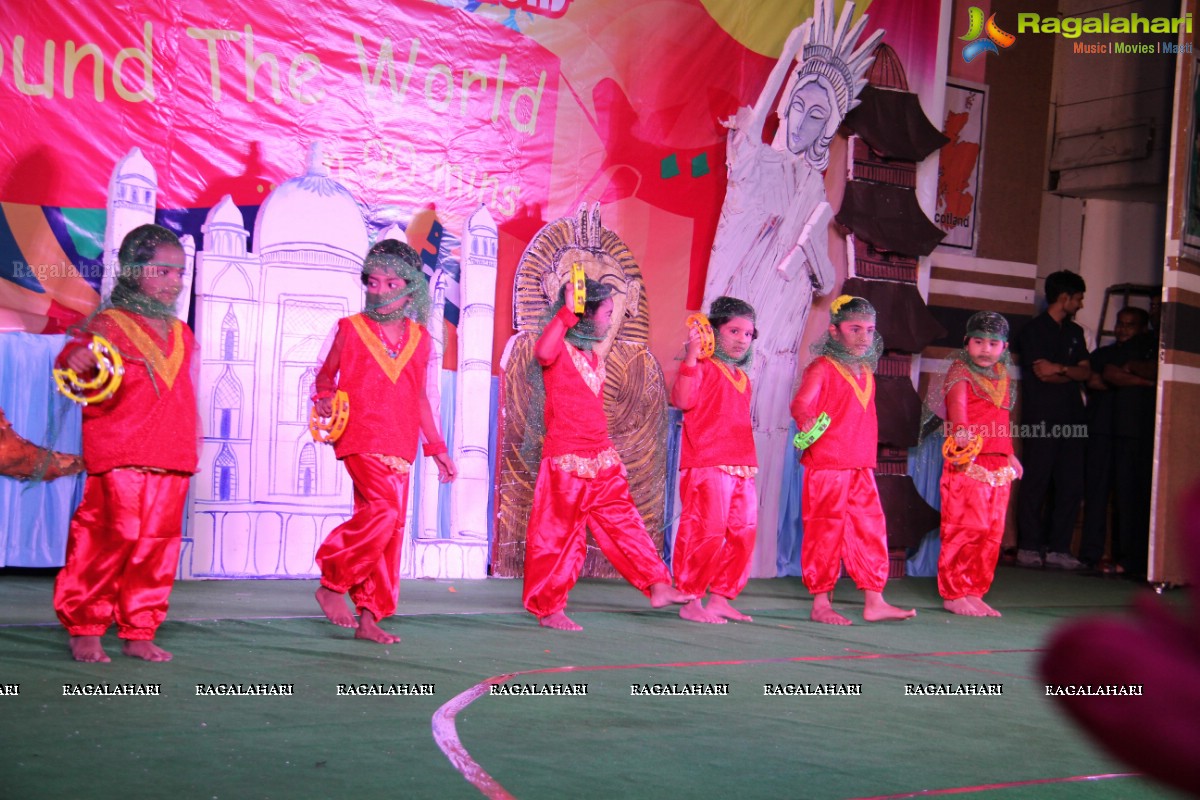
{"x":317,"y":743}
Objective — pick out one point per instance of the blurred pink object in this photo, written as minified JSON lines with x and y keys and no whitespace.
{"x":1157,"y":649}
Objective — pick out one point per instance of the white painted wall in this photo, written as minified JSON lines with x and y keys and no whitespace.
{"x":1108,"y":242}
{"x":1122,"y":243}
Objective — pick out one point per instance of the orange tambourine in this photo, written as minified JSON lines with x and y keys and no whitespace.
{"x":328,"y":431}
{"x":708,"y":340}
{"x":961,"y":456}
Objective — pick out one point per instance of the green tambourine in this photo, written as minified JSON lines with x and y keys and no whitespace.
{"x":804,"y":439}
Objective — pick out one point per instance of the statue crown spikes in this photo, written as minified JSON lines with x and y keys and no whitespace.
{"x":830,"y":53}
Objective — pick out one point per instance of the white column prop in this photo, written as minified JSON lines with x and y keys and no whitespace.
{"x":464,"y":554}
{"x":433,"y":389}
{"x":132,"y":199}
{"x":468,"y":513}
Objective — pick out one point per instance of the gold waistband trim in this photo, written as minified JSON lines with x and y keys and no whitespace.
{"x":997,"y":477}
{"x":588,"y":467}
{"x":394,"y":463}
{"x":739,"y":470}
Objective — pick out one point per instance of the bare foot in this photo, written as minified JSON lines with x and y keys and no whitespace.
{"x":664,"y":594}
{"x":963,"y":606}
{"x":987,"y":610}
{"x":144,"y":649}
{"x":876,"y":609}
{"x":88,"y":650}
{"x":369,"y":629}
{"x":822,"y":611}
{"x":334,"y":607}
{"x":693,"y":611}
{"x":559,"y":621}
{"x":720,"y":606}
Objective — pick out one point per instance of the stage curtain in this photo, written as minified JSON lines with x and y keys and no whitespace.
{"x":35,"y":516}
{"x":791,"y":525}
{"x":925,"y":468}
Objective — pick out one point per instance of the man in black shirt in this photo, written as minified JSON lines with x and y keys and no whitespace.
{"x":1101,"y":398}
{"x":1133,"y":374}
{"x":1054,"y":366}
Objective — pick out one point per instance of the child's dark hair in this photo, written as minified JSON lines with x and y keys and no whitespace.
{"x":390,"y":256}
{"x":138,"y":246}
{"x":986,"y":325}
{"x":847,"y":306}
{"x":597,"y":293}
{"x":1063,"y":282}
{"x":725,"y":308}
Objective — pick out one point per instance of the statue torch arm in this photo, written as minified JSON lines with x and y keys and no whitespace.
{"x":779,"y":74}
{"x":812,"y":252}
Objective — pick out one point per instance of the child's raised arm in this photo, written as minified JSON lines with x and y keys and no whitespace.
{"x":687,"y":383}
{"x":549,"y":344}
{"x":326,"y":381}
{"x":804,"y":404}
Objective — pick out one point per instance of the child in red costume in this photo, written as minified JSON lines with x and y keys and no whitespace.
{"x":581,"y":482}
{"x":978,"y":400}
{"x":140,"y":448}
{"x":717,"y":464}
{"x":843,"y":519}
{"x":379,"y":358}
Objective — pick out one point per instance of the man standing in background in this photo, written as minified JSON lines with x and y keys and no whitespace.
{"x":1054,"y":367}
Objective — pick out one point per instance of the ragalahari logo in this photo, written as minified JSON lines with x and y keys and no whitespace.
{"x":996,"y":38}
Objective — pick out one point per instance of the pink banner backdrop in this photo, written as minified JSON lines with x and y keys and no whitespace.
{"x":526,"y":107}
{"x":413,"y":101}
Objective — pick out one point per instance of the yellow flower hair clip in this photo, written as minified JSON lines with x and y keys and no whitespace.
{"x":840,"y":301}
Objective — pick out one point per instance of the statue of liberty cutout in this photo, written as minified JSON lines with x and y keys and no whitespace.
{"x":771,"y":247}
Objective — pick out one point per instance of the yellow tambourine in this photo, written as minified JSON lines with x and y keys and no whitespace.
{"x":110,"y":369}
{"x":329,"y":431}
{"x":960,"y":456}
{"x":578,"y":288}
{"x":708,"y":340}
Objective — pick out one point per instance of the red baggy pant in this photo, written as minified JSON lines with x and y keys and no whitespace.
{"x":362,"y":555}
{"x":716,"y":534}
{"x":565,"y":507}
{"x":972,"y":529}
{"x":122,"y":553}
{"x":843,"y":521}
